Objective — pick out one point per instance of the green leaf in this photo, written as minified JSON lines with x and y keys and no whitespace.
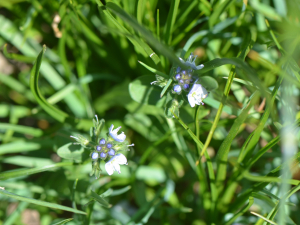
{"x":266,"y":10}
{"x":166,"y":87}
{"x":259,"y":186}
{"x":143,"y":92}
{"x":50,"y":109}
{"x":209,"y":83}
{"x":151,"y":174}
{"x":208,"y":66}
{"x":62,"y":222}
{"x":34,"y":76}
{"x":145,"y":33}
{"x":27,"y":161}
{"x":25,"y":172}
{"x":242,"y":69}
{"x":35,"y":132}
{"x":100,"y":200}
{"x":20,"y":58}
{"x":226,"y":144}
{"x":149,"y":127}
{"x":24,"y":146}
{"x":41,"y":203}
{"x":154,"y":70}
{"x":120,"y":191}
{"x":11,"y":33}
{"x":172,"y":105}
{"x":218,"y":10}
{"x":134,"y":41}
{"x":170,"y":21}
{"x":107,"y":193}
{"x":71,"y":151}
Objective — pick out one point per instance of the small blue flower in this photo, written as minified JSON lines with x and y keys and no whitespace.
{"x":177,"y":88}
{"x":103,"y":155}
{"x":178,"y":69}
{"x":98,"y":148}
{"x":111,"y":152}
{"x":102,"y":141}
{"x":95,"y":155}
{"x":181,"y":81}
{"x":177,"y":76}
{"x":109,"y":145}
{"x":114,"y":134}
{"x":186,"y":86}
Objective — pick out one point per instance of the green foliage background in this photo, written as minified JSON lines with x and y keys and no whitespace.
{"x":65,"y":61}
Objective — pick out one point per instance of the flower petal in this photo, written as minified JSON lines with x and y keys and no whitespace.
{"x":114,"y":134}
{"x":117,"y":167}
{"x":120,"y":159}
{"x":109,"y":168}
{"x":191,"y":100}
{"x":114,"y":164}
{"x":191,"y":62}
{"x":197,"y":94}
{"x":199,"y":67}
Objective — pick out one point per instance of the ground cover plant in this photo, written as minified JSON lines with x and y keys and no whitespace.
{"x":149,"y":112}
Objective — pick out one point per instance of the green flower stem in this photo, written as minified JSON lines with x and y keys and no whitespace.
{"x":217,"y":118}
{"x":211,"y":173}
{"x":203,"y":183}
{"x":73,"y":194}
{"x":198,"y":142}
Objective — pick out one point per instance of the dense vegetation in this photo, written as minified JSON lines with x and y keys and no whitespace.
{"x":232,"y":160}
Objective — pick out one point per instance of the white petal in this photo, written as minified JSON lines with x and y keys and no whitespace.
{"x":197,"y":94}
{"x":195,"y":88}
{"x":199,"y":67}
{"x":111,"y":128}
{"x":114,"y":134}
{"x":121,"y":137}
{"x":202,"y":92}
{"x":181,"y":60}
{"x":191,"y":100}
{"x":117,"y":167}
{"x":120,"y":159}
{"x":109,"y":168}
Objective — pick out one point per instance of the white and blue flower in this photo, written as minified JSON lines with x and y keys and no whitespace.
{"x":114,"y":134}
{"x":197,"y":94}
{"x":114,"y":164}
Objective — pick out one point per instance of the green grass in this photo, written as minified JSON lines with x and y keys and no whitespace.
{"x":233,"y":160}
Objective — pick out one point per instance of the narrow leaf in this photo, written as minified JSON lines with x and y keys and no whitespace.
{"x":41,"y":203}
{"x":100,"y":200}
